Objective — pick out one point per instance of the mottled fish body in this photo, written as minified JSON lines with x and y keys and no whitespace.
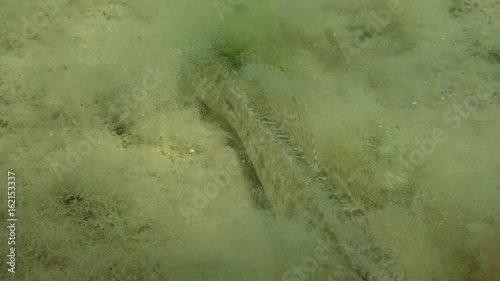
{"x":295,"y":186}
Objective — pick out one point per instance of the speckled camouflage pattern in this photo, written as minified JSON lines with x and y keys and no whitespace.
{"x":295,"y":186}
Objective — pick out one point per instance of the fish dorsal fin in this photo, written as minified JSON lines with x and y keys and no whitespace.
{"x":291,"y":118}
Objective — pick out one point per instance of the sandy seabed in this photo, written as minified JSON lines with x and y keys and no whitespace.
{"x":121,"y":175}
